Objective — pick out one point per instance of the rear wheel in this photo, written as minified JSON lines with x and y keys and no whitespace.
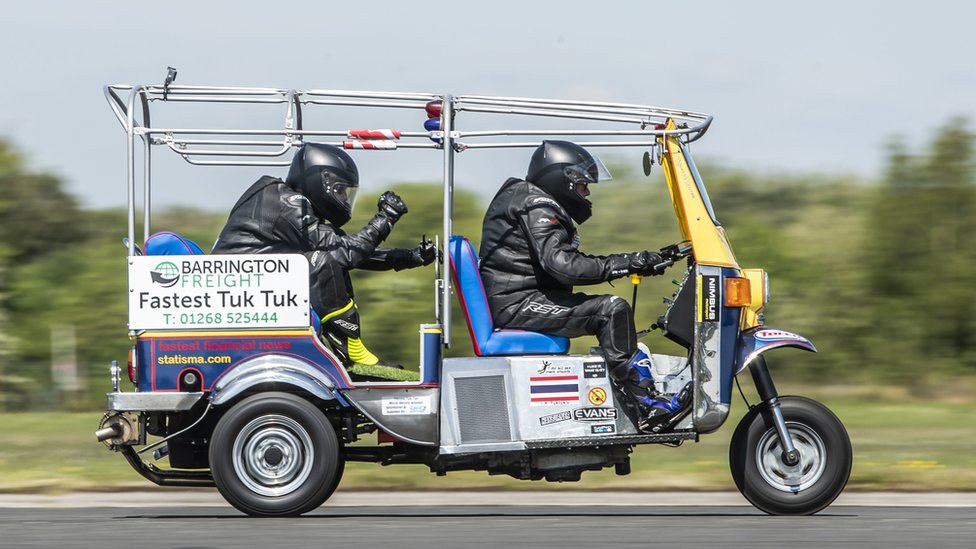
{"x":768,"y":481}
{"x":275,"y":454}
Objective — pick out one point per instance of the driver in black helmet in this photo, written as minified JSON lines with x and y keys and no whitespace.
{"x":304,"y":214}
{"x":530,"y":261}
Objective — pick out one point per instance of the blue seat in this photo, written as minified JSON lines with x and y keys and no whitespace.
{"x":486,"y":339}
{"x":169,"y":243}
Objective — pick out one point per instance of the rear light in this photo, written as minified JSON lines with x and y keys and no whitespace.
{"x":738,"y":292}
{"x":132,"y":367}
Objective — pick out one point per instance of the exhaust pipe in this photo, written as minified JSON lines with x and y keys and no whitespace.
{"x":106,"y":433}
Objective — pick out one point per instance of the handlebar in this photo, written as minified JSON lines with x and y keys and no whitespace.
{"x":674,"y":253}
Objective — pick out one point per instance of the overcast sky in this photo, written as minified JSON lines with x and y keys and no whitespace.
{"x":813,"y":86}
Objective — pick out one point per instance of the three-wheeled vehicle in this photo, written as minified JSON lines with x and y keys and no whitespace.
{"x":231,"y":376}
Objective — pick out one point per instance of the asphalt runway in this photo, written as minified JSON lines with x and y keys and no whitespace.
{"x":456,"y":526}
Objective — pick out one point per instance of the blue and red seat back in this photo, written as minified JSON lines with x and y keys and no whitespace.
{"x":488,"y":341}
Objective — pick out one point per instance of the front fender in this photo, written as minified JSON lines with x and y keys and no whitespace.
{"x":757,"y":341}
{"x":276,"y":369}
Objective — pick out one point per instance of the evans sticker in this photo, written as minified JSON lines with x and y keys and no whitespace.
{"x":594,"y":414}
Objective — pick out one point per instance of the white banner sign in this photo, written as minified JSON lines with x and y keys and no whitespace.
{"x":202,"y":292}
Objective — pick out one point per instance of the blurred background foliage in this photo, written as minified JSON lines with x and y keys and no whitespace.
{"x":878,"y":274}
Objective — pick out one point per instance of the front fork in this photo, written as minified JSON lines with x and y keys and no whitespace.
{"x":768,"y":394}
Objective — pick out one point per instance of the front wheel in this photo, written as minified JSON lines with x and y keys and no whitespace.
{"x":767,"y":481}
{"x":275,"y":454}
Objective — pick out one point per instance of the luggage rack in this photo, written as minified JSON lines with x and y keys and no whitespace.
{"x":601,"y":124}
{"x":191,"y":143}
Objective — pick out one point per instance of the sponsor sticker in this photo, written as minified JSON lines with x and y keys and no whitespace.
{"x":777,"y":334}
{"x":710,"y":295}
{"x":218,"y":291}
{"x":560,"y":389}
{"x":548,"y":368}
{"x":594,"y":370}
{"x":608,"y":429}
{"x":406,"y":406}
{"x":597,"y":396}
{"x":594,"y":414}
{"x":555,"y":418}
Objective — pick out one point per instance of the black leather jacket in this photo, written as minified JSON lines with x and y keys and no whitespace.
{"x":529,"y":243}
{"x":271,"y":217}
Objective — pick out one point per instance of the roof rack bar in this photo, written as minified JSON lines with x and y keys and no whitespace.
{"x":537,"y":143}
{"x":210,"y":131}
{"x":284,"y":147}
{"x":557,"y":114}
{"x":196,"y":162}
{"x":498,"y":133}
{"x":589,"y":106}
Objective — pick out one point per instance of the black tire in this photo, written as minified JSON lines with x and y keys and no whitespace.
{"x":755,"y":456}
{"x":274,"y":455}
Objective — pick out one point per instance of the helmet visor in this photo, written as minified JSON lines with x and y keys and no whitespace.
{"x":341,"y":191}
{"x":589,"y":171}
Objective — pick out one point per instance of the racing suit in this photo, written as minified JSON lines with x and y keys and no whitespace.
{"x":529,"y":263}
{"x":271,"y":217}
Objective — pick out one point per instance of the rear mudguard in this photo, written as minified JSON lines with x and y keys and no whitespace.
{"x":274,"y":370}
{"x":282,"y":372}
{"x":756,"y":341}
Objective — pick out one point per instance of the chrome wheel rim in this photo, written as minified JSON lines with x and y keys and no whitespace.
{"x":791,"y":478}
{"x":273,"y":455}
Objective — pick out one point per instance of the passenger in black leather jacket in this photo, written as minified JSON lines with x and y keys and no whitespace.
{"x":304,"y":214}
{"x":530,"y":261}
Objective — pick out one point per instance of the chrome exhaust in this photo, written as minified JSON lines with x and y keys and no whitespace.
{"x":106,"y":433}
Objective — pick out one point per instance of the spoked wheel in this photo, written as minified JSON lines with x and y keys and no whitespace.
{"x":768,"y":481}
{"x":275,"y":454}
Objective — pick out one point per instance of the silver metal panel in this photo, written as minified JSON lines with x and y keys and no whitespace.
{"x":587,"y":408}
{"x":481,"y":448}
{"x":709,"y":413}
{"x":671,"y":373}
{"x":547,"y":398}
{"x":151,"y":402}
{"x":409,"y":414}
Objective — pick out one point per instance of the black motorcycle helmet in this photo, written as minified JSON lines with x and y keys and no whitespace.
{"x":328,"y":177}
{"x":558,"y":167}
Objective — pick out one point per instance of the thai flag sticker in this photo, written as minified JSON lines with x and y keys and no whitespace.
{"x":554,"y":389}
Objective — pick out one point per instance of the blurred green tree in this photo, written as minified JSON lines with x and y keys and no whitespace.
{"x":921,"y":255}
{"x":38,"y":218}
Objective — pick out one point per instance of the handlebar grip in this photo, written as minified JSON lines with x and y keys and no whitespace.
{"x":664,"y":264}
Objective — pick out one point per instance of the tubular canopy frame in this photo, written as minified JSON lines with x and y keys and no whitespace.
{"x":602,"y":124}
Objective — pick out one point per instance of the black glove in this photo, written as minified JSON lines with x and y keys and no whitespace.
{"x":643,"y":263}
{"x":391,"y":205}
{"x":425,"y":253}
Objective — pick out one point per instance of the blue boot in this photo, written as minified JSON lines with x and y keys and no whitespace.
{"x":666,"y":410}
{"x":657,"y":412}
